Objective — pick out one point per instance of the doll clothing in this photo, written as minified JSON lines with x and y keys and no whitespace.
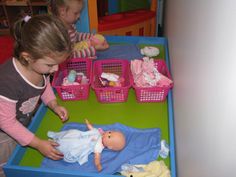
{"x":76,"y":145}
{"x":145,"y":74}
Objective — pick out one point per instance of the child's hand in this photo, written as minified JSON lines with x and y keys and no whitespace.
{"x":61,"y":112}
{"x":47,"y":148}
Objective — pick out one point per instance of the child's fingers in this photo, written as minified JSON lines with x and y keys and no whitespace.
{"x":53,"y":143}
{"x":56,"y":155}
{"x":63,"y":115}
{"x":64,"y":119}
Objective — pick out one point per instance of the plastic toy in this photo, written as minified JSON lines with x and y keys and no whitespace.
{"x":76,"y":145}
{"x":93,"y":41}
{"x":153,"y":169}
{"x":140,"y":22}
{"x":150,"y":51}
{"x":74,"y":78}
{"x":97,"y":39}
{"x":72,"y":75}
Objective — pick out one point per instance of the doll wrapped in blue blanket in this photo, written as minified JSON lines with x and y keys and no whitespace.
{"x":77,"y":145}
{"x":142,"y":146}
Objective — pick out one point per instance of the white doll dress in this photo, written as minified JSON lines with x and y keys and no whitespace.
{"x":76,"y":145}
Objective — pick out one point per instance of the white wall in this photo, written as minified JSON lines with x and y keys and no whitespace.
{"x":202,"y":44}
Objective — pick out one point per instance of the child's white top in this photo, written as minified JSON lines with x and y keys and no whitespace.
{"x":76,"y":145}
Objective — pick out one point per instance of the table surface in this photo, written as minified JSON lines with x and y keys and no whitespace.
{"x":130,"y":113}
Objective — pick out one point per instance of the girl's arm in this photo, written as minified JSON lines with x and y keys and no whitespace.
{"x":49,"y":99}
{"x":11,"y":126}
{"x":83,"y":36}
{"x":75,"y":37}
{"x":89,"y":52}
{"x":47,"y":148}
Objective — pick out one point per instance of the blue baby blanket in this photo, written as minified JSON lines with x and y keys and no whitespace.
{"x":142,"y":146}
{"x":121,"y":51}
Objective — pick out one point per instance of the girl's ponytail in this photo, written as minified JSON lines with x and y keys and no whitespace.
{"x":17,"y":34}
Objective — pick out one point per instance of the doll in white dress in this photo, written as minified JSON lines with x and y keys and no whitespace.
{"x":76,"y":145}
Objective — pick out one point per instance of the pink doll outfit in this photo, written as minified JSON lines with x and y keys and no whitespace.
{"x":145,"y":74}
{"x":76,"y":145}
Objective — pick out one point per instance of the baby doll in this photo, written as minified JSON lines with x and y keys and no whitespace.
{"x":76,"y":145}
{"x":96,"y":41}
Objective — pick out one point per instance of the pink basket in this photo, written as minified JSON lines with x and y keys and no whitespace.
{"x":111,"y":94}
{"x":73,"y":92}
{"x":154,"y":94}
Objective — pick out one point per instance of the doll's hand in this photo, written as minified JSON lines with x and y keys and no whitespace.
{"x":61,"y":112}
{"x":99,"y":167}
{"x":89,"y":125}
{"x":97,"y":161}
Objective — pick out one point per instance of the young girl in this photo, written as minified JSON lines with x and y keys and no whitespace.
{"x":69,"y":12}
{"x":41,"y":43}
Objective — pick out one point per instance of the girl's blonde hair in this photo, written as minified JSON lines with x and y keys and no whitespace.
{"x":40,"y":36}
{"x":56,"y":4}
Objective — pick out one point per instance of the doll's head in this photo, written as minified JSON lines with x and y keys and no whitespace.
{"x":99,"y":42}
{"x":114,"y":140}
{"x":97,"y":39}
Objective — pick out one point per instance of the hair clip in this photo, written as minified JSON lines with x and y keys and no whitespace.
{"x":26,"y":18}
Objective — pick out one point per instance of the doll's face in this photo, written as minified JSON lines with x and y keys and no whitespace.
{"x":113,"y":140}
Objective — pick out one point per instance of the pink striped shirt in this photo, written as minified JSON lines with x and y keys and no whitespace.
{"x":75,"y":37}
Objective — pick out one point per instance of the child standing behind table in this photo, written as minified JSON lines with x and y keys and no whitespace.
{"x":69,"y":12}
{"x":41,"y":43}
